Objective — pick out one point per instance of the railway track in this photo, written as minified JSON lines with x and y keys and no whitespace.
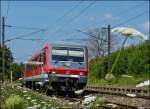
{"x":137,"y":97}
{"x":142,"y":95}
{"x":136,"y":92}
{"x":121,"y":106}
{"x":113,"y":93}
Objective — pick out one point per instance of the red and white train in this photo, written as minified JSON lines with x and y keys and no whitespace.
{"x":61,"y":67}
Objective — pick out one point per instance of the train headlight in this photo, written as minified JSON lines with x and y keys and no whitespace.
{"x":81,"y":73}
{"x":53,"y":72}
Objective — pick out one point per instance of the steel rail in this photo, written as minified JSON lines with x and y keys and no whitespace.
{"x":123,"y":91}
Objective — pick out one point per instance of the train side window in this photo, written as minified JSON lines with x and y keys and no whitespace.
{"x":30,"y":67}
{"x":43,"y":57}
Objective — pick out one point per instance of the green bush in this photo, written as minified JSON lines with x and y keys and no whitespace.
{"x":109,"y":77}
{"x":98,"y":102}
{"x":14,"y":102}
{"x":133,"y":60}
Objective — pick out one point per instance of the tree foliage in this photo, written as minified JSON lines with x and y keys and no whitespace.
{"x":9,"y":64}
{"x":17,"y":69}
{"x":8,"y":60}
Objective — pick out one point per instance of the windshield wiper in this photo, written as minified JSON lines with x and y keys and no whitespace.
{"x":56,"y":61}
{"x":80,"y":63}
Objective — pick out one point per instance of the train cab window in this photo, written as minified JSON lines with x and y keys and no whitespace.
{"x":59,"y":55}
{"x":76,"y":55}
{"x":67,"y":54}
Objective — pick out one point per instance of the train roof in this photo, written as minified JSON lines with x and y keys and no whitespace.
{"x":57,"y":45}
{"x":68,"y":45}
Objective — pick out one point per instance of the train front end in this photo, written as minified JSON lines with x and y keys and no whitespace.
{"x":68,"y":69}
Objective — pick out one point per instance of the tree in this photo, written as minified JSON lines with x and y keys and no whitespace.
{"x":8,"y":60}
{"x":97,"y":41}
{"x":98,"y":46}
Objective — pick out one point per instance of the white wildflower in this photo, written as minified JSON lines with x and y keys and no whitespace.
{"x":24,"y":91}
{"x":25,"y":95}
{"x":43,"y":102}
{"x":131,"y":95}
{"x":39,"y":105}
{"x":33,"y":100}
{"x":34,"y":103}
{"x":44,"y":107}
{"x":28,"y":98}
{"x":49,"y":105}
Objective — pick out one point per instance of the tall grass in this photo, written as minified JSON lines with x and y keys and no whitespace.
{"x":119,"y":81}
{"x":14,"y":102}
{"x":16,"y":98}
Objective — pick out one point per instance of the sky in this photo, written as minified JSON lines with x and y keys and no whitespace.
{"x":61,"y":19}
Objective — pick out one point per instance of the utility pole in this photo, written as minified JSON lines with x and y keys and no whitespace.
{"x":3,"y":45}
{"x":10,"y":69}
{"x":0,"y":32}
{"x":109,"y":49}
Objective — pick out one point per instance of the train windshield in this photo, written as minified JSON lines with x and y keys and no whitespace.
{"x":67,"y":54}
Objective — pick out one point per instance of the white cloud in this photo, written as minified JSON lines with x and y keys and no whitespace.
{"x":146,"y":25}
{"x":91,"y":18}
{"x":109,"y":16}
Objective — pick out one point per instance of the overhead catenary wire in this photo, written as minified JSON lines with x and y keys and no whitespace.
{"x":22,"y":27}
{"x":121,"y":12}
{"x":31,"y":39}
{"x":28,"y":34}
{"x":68,"y":12}
{"x":126,"y":21}
{"x":130,"y":9}
{"x":64,"y":15}
{"x":125,"y":11}
{"x":81,"y":12}
{"x":21,"y":37}
{"x":76,"y":16}
{"x":90,"y":34}
{"x":73,"y":18}
{"x":130,"y":19}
